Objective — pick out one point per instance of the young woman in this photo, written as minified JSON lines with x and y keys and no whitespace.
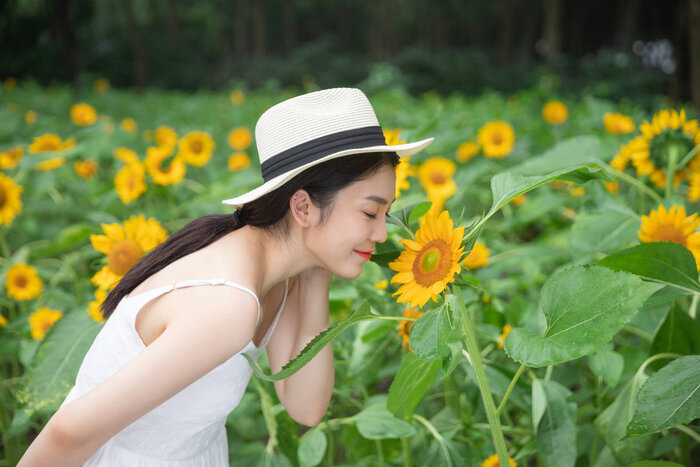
{"x":166,"y":370}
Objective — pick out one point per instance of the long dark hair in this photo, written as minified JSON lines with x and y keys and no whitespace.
{"x":321,"y":181}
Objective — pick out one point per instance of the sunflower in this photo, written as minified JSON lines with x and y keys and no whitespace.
{"x":196,"y":148}
{"x":50,"y":142}
{"x":130,"y":182}
{"x":518,"y":200}
{"x":501,"y":339}
{"x":405,"y":326}
{"x":496,"y":138}
{"x":478,"y":257}
{"x":165,"y":136}
{"x":240,"y":138}
{"x":555,"y":112}
{"x":435,"y":175}
{"x":403,"y":170}
{"x":3,"y":321}
{"x":237,"y":97}
{"x":238,"y":161}
{"x":41,"y":321}
{"x":30,"y":117}
{"x":23,"y":283}
{"x":430,"y":261}
{"x":50,"y":164}
{"x":169,"y":175}
{"x":95,"y":305}
{"x":492,"y":461}
{"x":617,"y":123}
{"x":85,"y":169}
{"x":672,"y":225}
{"x":10,"y":158}
{"x":10,"y":202}
{"x":392,"y":136}
{"x":83,"y":114}
{"x":127,"y":156}
{"x":124,"y":246}
{"x":612,"y":187}
{"x":101,"y":85}
{"x":467,"y":150}
{"x":129,"y":125}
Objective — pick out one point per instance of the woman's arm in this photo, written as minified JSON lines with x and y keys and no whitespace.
{"x":307,"y":393}
{"x":198,"y":339}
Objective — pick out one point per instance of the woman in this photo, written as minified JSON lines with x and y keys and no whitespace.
{"x":160,"y":379}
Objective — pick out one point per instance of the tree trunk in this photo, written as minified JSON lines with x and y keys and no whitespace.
{"x":289,"y":26}
{"x":505,"y":32}
{"x":173,"y":21}
{"x":628,"y":17}
{"x":525,"y":46}
{"x":138,"y":51}
{"x":551,"y":31}
{"x":241,"y":30}
{"x":382,"y":31}
{"x":694,"y":50}
{"x":259,"y":31}
{"x":66,"y":29}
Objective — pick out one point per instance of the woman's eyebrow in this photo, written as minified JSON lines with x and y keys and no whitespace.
{"x":378,"y":199}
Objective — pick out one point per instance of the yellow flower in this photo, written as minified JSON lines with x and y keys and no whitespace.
{"x":130,"y":182}
{"x":30,"y":117}
{"x":496,"y":139}
{"x":41,"y":321}
{"x":382,"y":284}
{"x":83,"y":114}
{"x":555,"y":112}
{"x":518,"y":200}
{"x":23,"y":283}
{"x":10,"y":84}
{"x":165,"y":136}
{"x":129,"y":125}
{"x":101,"y":85}
{"x":127,"y":156}
{"x":430,"y":261}
{"x":10,"y":202}
{"x":392,"y":136}
{"x":94,"y":306}
{"x":663,"y":120}
{"x":492,"y":461}
{"x":616,"y":123}
{"x":50,"y":164}
{"x":672,"y":225}
{"x":694,"y":186}
{"x":238,"y":161}
{"x":85,"y":169}
{"x":3,"y":321}
{"x":240,"y":138}
{"x":405,"y":326}
{"x":502,"y":338}
{"x":612,"y":187}
{"x":638,"y":151}
{"x":237,"y":97}
{"x":10,"y":158}
{"x":435,"y":175}
{"x":577,"y":191}
{"x":478,"y":257}
{"x":658,"y":178}
{"x":467,"y":150}
{"x":124,"y":246}
{"x":49,"y":142}
{"x":403,"y":170}
{"x":196,"y":148}
{"x":171,"y":174}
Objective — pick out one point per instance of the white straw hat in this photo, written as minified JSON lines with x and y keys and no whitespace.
{"x":305,"y":130}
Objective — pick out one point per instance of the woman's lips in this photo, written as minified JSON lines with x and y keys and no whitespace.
{"x":365,"y":255}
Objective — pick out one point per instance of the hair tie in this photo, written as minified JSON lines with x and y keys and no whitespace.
{"x":237,"y":216}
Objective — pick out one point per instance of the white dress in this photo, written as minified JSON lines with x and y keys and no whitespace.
{"x":187,"y":430}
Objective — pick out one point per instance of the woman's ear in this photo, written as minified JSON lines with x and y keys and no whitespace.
{"x":300,"y":206}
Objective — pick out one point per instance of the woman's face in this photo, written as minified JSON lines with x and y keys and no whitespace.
{"x":357,"y":222}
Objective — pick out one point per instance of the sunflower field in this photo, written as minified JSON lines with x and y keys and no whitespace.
{"x":535,"y":302}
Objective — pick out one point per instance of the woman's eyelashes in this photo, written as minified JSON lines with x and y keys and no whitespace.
{"x":371,"y":216}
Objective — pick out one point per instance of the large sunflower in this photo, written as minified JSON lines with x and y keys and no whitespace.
{"x":435,"y":175}
{"x":130,"y":182}
{"x":23,"y":283}
{"x":196,"y":148}
{"x":164,"y":175}
{"x":124,"y":246}
{"x":430,"y":261}
{"x":41,"y":321}
{"x":10,"y":202}
{"x":496,"y":139}
{"x":672,"y":225}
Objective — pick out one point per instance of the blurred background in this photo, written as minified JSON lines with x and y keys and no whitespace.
{"x":612,"y":49}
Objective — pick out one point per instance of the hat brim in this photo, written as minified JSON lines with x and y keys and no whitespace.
{"x":403,"y":150}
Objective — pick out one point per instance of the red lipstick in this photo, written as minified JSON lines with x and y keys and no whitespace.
{"x":364,"y":254}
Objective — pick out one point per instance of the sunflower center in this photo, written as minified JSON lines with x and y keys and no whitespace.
{"x":21,"y":281}
{"x":3,"y":197}
{"x":196,"y":146}
{"x":438,"y":178}
{"x":123,"y":256}
{"x":432,"y":263}
{"x":669,"y":233}
{"x":496,"y":138}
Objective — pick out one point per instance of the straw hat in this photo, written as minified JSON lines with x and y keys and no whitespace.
{"x":312,"y":128}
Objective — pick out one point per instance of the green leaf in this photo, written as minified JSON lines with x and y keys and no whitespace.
{"x":584,"y":307}
{"x":603,"y":232}
{"x":655,"y":464}
{"x":669,"y":397}
{"x":607,"y":364}
{"x":679,"y":333}
{"x":412,"y":381}
{"x":419,"y":210}
{"x":430,"y":334}
{"x":376,"y":422}
{"x":362,"y":313}
{"x":312,"y":447}
{"x":665,"y":262}
{"x":556,"y":432}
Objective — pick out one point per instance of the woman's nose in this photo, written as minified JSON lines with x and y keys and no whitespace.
{"x":379,"y":234}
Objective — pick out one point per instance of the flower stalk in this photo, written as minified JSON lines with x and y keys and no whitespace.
{"x":671,"y":173}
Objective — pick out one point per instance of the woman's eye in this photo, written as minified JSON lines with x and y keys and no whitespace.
{"x":371,"y":216}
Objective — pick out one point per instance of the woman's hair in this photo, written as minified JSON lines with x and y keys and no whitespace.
{"x":321,"y":181}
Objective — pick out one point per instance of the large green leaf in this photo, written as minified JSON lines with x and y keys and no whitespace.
{"x":55,"y":366}
{"x":666,"y":262}
{"x":607,"y":364}
{"x":376,"y":422}
{"x":584,"y":307}
{"x":670,"y":397}
{"x":431,"y":333}
{"x":556,"y":431}
{"x":604,"y":231}
{"x":412,"y":381}
{"x":312,"y":447}
{"x":679,"y":333}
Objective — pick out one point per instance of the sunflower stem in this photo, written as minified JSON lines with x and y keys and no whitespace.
{"x":670,"y":175}
{"x":632,"y":181}
{"x":509,"y":390}
{"x":3,"y":245}
{"x":693,"y":306}
{"x":475,"y":361}
{"x":406,"y":447}
{"x":689,"y":156}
